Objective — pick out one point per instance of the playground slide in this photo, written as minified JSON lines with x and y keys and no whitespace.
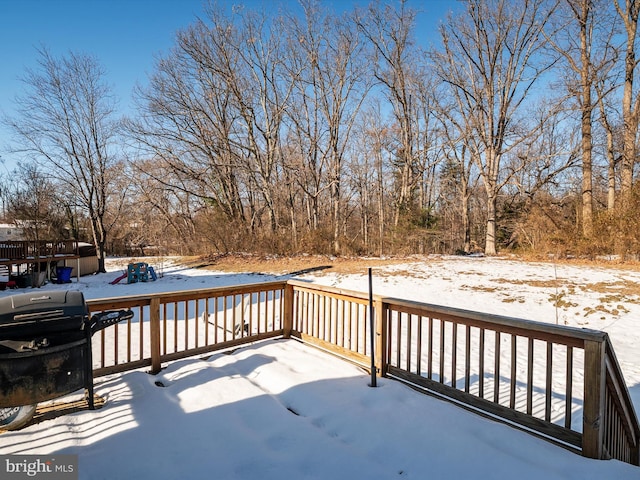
{"x":124,"y":275}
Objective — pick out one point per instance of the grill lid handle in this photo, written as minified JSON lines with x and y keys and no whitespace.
{"x":39,"y":315}
{"x":105,"y":319}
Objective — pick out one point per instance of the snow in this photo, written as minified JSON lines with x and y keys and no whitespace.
{"x":280,"y":409}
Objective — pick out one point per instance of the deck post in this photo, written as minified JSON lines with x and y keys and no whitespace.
{"x":154,"y":336}
{"x":288,"y":311}
{"x":594,"y":399}
{"x":382,"y":313}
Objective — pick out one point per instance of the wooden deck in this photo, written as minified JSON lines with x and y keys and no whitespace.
{"x":19,"y":257}
{"x":561,"y":383}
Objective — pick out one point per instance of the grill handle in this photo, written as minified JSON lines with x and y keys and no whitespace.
{"x":103,"y":320}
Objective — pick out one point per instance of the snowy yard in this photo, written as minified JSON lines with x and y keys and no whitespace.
{"x":280,"y":409}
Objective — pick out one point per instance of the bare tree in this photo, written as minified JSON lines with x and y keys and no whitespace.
{"x":328,"y":74}
{"x":394,"y":60}
{"x":550,"y":154}
{"x":374,"y":142}
{"x":161,"y":216}
{"x":428,"y":139}
{"x":489,"y":61}
{"x":214,"y":112}
{"x":583,"y":41}
{"x":456,"y":175}
{"x":66,"y":122}
{"x":583,"y":14}
{"x":629,"y":13}
{"x":610,"y":124}
{"x":186,"y":127}
{"x":32,"y":204}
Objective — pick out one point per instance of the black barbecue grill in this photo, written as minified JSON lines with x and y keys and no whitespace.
{"x":45,"y":348}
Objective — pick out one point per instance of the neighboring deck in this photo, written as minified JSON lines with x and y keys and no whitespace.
{"x":36,"y":256}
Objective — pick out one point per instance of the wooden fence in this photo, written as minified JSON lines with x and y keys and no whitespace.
{"x":561,"y":383}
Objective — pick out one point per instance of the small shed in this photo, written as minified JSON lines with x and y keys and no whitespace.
{"x":88,"y":260}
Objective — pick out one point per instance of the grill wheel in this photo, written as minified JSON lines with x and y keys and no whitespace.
{"x":13,"y":418}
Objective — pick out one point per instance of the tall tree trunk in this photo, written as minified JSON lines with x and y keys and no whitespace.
{"x":100,"y":240}
{"x":466,"y":221}
{"x":611,"y":151}
{"x":611,"y":173}
{"x":587,"y":174}
{"x":629,"y":15}
{"x":335,"y":199}
{"x":380,"y":188}
{"x":587,"y":108}
{"x":490,"y":242}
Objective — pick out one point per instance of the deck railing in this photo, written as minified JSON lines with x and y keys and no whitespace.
{"x":562,"y":383}
{"x":169,"y":326}
{"x":557,"y":381}
{"x":333,"y":319}
{"x":16,"y":251}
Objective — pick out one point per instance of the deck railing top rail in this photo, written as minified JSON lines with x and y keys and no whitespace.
{"x":465,"y":316}
{"x":299,"y":284}
{"x":189,"y":294}
{"x":493,"y":320}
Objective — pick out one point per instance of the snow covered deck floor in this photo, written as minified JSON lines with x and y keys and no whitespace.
{"x":281,"y":409}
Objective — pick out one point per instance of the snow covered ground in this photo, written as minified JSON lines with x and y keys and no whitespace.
{"x":283,"y":410}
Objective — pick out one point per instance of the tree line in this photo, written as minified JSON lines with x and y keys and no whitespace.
{"x":314,"y":131}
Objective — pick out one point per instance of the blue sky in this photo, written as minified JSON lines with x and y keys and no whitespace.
{"x":124,"y":35}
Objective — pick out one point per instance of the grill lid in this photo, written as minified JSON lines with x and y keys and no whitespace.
{"x":43,"y":300}
{"x":27,"y":314}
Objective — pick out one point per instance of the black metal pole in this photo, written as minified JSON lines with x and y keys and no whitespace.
{"x":372,"y":331}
